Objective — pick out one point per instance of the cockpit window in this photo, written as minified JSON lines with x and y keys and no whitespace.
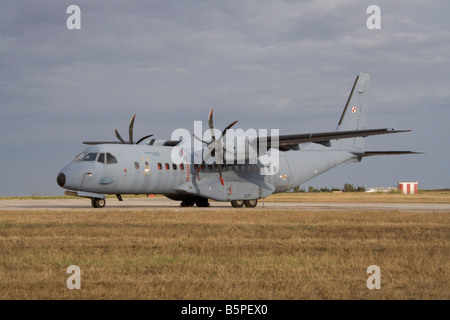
{"x":79,"y":157}
{"x":90,"y":156}
{"x":110,"y":158}
{"x":101,"y":158}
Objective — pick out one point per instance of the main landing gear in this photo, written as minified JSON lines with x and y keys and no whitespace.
{"x":200,"y":202}
{"x":248,"y":203}
{"x":98,"y":202}
{"x":203,"y":202}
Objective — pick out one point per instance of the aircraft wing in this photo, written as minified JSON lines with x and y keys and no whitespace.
{"x":288,"y":142}
{"x":165,"y":143}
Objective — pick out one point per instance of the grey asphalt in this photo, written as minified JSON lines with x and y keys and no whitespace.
{"x":153,"y":203}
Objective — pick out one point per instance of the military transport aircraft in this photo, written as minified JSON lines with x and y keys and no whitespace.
{"x":129,"y":167}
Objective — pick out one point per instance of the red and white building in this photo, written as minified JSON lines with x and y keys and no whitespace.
{"x":408,"y":187}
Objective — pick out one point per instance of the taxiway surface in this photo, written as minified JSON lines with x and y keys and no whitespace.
{"x":161,"y":203}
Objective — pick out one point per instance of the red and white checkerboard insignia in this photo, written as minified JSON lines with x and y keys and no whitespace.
{"x":353,"y":109}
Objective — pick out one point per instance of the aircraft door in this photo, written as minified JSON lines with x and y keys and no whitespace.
{"x":111,"y":173}
{"x":282,"y":176}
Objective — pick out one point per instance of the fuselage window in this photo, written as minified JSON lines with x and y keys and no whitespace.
{"x":167,"y":166}
{"x":159,"y":166}
{"x":181,"y":166}
{"x":174,"y":166}
{"x":136,"y":165}
{"x":101,"y":158}
{"x":90,"y":156}
{"x":110,"y":158}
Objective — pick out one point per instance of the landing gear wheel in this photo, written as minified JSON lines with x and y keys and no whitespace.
{"x":98,"y":203}
{"x":251,"y":203}
{"x":202,"y":202}
{"x":237,"y":203}
{"x":187,"y":203}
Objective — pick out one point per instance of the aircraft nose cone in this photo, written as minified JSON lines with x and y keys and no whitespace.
{"x":61,"y":179}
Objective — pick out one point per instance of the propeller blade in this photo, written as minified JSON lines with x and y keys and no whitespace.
{"x":227,"y":128}
{"x":215,"y":147}
{"x":130,"y":129}
{"x":206,"y":159}
{"x":197,"y":138}
{"x":119,"y":137}
{"x":211,"y":125}
{"x":219,"y":167}
{"x":143,"y":138}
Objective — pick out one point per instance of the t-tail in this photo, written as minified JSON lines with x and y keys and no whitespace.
{"x":354,"y":116}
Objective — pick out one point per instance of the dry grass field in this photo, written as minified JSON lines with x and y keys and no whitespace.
{"x":363,"y":197}
{"x":201,"y":253}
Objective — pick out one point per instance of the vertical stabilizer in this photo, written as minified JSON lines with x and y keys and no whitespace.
{"x":354,"y":116}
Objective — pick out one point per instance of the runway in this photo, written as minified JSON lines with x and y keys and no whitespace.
{"x":162,"y":203}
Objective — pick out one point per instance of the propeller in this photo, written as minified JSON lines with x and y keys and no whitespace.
{"x":215,"y":146}
{"x":130,"y":134}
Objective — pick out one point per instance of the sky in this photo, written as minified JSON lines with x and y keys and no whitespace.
{"x":269,"y":64}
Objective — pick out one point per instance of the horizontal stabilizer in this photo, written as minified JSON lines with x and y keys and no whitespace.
{"x":384,"y":153}
{"x":101,"y":142}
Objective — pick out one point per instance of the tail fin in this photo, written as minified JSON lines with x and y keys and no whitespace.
{"x":354,"y":116}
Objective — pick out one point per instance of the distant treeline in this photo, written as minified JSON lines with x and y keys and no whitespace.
{"x":348,"y":187}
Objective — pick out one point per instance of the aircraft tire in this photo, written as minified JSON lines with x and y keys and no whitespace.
{"x":251,"y":203}
{"x":98,"y":203}
{"x":187,"y":203}
{"x":202,"y":202}
{"x":237,"y":203}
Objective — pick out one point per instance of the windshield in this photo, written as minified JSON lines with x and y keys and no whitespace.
{"x":79,"y":157}
{"x":91,"y":156}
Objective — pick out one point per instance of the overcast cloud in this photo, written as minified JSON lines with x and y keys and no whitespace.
{"x":287,"y":65}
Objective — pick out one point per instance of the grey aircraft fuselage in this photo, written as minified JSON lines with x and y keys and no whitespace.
{"x":143,"y":169}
